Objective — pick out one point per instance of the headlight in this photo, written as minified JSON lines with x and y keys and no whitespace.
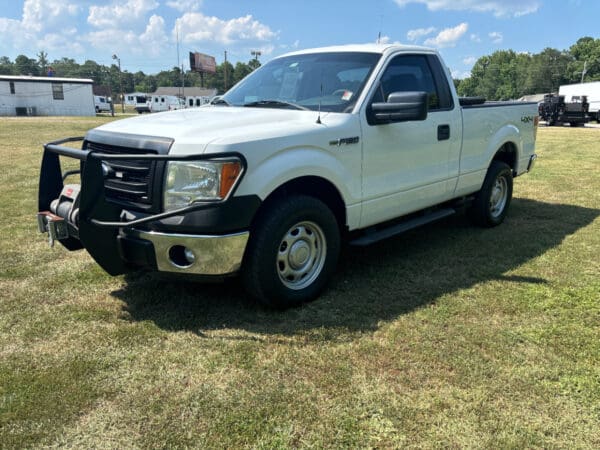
{"x":198,"y":181}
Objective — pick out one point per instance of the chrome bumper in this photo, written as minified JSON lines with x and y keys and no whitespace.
{"x":195,"y":254}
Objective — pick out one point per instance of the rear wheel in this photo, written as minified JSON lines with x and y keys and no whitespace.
{"x":292,"y":252}
{"x":492,"y":201}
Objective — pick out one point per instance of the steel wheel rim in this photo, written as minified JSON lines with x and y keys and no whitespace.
{"x":301,"y":255}
{"x":498,"y":197}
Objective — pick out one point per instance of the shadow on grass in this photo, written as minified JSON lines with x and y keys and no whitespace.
{"x":372,"y":284}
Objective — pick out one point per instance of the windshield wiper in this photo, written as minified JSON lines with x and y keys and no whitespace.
{"x":275,"y":104}
{"x":219,"y":101}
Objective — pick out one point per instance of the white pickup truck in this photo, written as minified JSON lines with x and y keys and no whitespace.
{"x":315,"y":148}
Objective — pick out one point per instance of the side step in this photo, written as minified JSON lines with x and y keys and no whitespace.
{"x":393,"y":230}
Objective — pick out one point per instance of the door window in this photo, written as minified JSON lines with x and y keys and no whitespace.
{"x":407,"y":73}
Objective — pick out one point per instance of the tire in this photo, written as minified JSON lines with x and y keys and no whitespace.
{"x":292,"y":252}
{"x":491,"y":203}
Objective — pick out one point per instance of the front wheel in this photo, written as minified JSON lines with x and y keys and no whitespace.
{"x":292,"y":252}
{"x":491,"y":203}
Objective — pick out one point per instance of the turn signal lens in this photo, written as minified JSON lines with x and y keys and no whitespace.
{"x":230,"y":171}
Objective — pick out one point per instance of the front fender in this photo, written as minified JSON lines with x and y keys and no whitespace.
{"x":339,"y":167}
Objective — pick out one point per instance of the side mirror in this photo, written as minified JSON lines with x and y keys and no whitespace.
{"x":400,"y":107}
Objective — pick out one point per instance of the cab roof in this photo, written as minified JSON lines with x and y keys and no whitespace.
{"x":367,"y":48}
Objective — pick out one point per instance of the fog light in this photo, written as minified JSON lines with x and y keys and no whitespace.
{"x":189,"y":255}
{"x":181,"y":257}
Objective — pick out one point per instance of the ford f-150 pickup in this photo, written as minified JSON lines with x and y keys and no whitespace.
{"x":313,"y":149}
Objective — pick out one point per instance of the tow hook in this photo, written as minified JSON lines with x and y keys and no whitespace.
{"x":54,"y":225}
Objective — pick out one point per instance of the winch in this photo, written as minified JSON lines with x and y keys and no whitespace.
{"x":62,"y":221}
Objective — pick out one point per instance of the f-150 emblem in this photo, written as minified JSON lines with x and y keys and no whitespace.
{"x":345,"y":141}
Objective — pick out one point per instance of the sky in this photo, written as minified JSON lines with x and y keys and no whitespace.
{"x":144,"y":33}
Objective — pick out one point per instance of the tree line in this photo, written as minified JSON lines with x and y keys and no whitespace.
{"x":503,"y":75}
{"x":506,"y":74}
{"x":226,"y":74}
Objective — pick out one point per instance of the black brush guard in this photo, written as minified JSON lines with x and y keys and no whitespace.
{"x":99,"y":220}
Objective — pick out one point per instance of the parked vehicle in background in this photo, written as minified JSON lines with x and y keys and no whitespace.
{"x":166,"y":103}
{"x":196,"y":101}
{"x":574,"y":92}
{"x":131,"y":98}
{"x":555,"y":111}
{"x":101,"y":104}
{"x":356,"y":143}
{"x":142,"y":103}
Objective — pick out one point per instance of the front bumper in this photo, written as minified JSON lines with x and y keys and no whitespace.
{"x":199,"y":239}
{"x":183,"y":253}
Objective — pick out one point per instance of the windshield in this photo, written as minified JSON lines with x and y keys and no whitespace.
{"x":332,"y":80}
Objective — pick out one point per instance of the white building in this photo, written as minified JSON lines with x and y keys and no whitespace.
{"x":45,"y":96}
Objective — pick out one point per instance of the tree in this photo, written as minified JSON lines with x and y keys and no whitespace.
{"x":240,"y":71}
{"x":42,"y":61}
{"x":586,"y":53}
{"x":6,"y":66}
{"x":26,"y":66}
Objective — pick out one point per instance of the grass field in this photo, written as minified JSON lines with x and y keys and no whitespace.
{"x":448,"y":336}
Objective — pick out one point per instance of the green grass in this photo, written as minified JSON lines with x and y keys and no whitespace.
{"x":448,"y":336}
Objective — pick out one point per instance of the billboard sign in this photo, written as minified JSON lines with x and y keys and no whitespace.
{"x":199,"y":62}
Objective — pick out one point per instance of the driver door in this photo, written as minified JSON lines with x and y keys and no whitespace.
{"x":407,"y":165}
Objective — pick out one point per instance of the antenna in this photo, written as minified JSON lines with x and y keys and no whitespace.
{"x":320,"y":98}
{"x":177,"y":31}
{"x":380,"y":24}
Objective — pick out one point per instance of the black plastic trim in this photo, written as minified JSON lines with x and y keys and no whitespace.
{"x":230,"y":217}
{"x":158,"y":144}
{"x":497,"y":104}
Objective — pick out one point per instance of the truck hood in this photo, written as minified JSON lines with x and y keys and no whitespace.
{"x":194,"y":129}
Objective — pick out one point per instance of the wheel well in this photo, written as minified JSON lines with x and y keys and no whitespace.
{"x":312,"y":186}
{"x":507,"y":154}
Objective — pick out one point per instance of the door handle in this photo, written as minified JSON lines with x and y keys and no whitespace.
{"x":443,"y":132}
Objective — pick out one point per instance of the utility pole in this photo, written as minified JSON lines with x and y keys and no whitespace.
{"x":584,"y":71}
{"x":120,"y":83}
{"x":182,"y":82}
{"x":225,"y":73}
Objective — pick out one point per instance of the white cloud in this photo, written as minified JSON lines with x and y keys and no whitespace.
{"x":419,"y":33}
{"x":119,"y":13}
{"x":475,"y":37}
{"x":196,"y":28}
{"x":15,"y":35}
{"x":33,"y":31}
{"x":448,"y":37}
{"x":500,"y":8}
{"x":154,"y":38}
{"x":63,"y":43}
{"x":41,"y":14}
{"x":460,"y":75}
{"x":469,"y":60}
{"x":152,"y":41}
{"x":185,"y":5}
{"x":496,"y":37}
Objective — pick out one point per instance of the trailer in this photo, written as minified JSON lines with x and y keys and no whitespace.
{"x":574,"y":92}
{"x":555,"y":111}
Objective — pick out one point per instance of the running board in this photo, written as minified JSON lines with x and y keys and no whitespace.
{"x":394,"y":230}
